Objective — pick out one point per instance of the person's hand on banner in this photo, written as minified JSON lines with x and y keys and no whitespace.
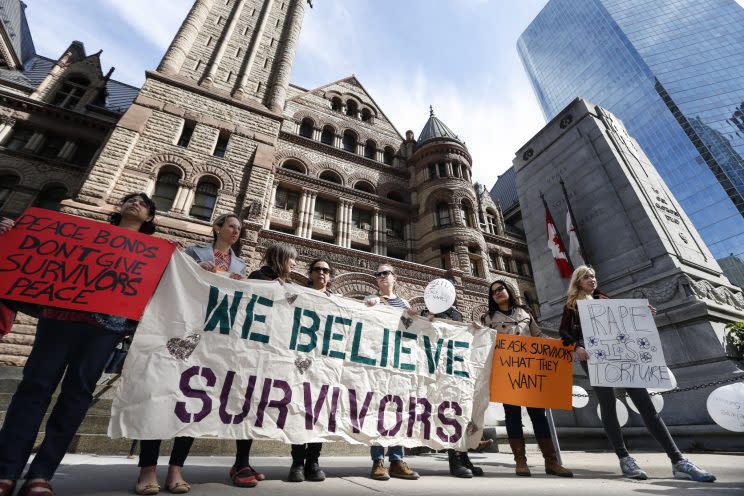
{"x":6,"y":225}
{"x":207,"y":265}
{"x":372,"y":300}
{"x":653,"y":310}
{"x":237,"y":277}
{"x":581,"y":353}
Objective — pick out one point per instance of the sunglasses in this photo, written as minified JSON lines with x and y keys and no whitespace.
{"x":324,"y":270}
{"x":383,"y":273}
{"x":498,"y":290}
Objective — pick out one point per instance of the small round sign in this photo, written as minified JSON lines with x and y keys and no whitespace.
{"x":726,"y":406}
{"x":622,"y":413}
{"x":656,"y":399}
{"x":439,"y":295}
{"x":671,"y":378}
{"x":579,"y":401}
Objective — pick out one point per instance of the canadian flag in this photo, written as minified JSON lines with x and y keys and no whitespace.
{"x":556,"y":247}
{"x":574,"y":247}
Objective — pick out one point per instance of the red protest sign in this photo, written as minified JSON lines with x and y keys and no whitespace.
{"x":60,"y":260}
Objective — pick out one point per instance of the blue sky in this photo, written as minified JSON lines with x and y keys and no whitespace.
{"x":457,"y":55}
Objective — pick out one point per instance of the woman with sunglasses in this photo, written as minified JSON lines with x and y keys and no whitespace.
{"x":583,"y":286}
{"x":386,"y":278}
{"x":305,"y":457}
{"x":507,"y":316}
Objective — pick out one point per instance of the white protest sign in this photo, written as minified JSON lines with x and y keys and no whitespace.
{"x":439,"y":295}
{"x":579,"y":397}
{"x":255,"y":359}
{"x":623,"y":344}
{"x":726,"y":406}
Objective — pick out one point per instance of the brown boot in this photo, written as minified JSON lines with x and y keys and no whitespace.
{"x":379,"y":472}
{"x":552,"y":467}
{"x":517,"y":446}
{"x":401,"y":470}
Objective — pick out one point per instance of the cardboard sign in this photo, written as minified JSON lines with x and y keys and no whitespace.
{"x":623,"y":344}
{"x":258,"y":360}
{"x":60,"y":260}
{"x":527,"y":371}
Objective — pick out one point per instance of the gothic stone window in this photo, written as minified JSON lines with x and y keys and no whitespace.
{"x":19,"y":137}
{"x":331,"y":176}
{"x":221,"y":146}
{"x":395,"y":228}
{"x":205,"y":198}
{"x":349,"y":141}
{"x":328,"y":135}
{"x":166,"y":187}
{"x":286,"y":199}
{"x":361,"y":219}
{"x":71,"y":92}
{"x":325,"y":209}
{"x":306,"y":128}
{"x":388,"y":155}
{"x":443,"y":215}
{"x":51,"y":196}
{"x":370,"y":149}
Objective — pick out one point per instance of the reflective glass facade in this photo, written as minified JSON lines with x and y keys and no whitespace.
{"x":673,"y":72}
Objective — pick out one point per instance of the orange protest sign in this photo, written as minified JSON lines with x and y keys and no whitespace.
{"x":529,"y":371}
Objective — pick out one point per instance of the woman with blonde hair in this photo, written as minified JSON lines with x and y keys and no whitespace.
{"x":583,"y":286}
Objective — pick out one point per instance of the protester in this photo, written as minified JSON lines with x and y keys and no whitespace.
{"x":583,"y":286}
{"x":386,"y":278}
{"x":279,"y":260}
{"x":305,"y":457}
{"x":74,"y":344}
{"x":507,"y":316}
{"x":459,"y":461}
{"x":218,"y":257}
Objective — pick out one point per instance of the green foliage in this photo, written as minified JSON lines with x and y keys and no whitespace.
{"x":735,"y":335}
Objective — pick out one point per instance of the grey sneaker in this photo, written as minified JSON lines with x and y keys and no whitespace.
{"x":630,"y":468}
{"x":685,"y":469}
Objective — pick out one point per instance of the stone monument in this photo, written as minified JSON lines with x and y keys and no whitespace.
{"x":641,"y":244}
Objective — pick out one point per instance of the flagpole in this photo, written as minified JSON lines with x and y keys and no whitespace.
{"x":557,"y":232}
{"x":575,"y":224}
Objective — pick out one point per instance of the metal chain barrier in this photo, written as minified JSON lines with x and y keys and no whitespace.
{"x":678,"y":390}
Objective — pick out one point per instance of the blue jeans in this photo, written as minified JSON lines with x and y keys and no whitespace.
{"x":73,"y":349}
{"x":394,"y":453}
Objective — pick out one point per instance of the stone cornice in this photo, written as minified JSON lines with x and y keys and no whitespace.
{"x":25,"y":104}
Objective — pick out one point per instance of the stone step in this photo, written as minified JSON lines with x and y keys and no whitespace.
{"x":17,"y":361}
{"x":19,"y":338}
{"x":27,"y":329}
{"x":11,"y":372}
{"x":15,"y":349}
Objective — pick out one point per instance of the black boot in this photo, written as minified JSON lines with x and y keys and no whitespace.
{"x":456,"y":467}
{"x":477,"y":471}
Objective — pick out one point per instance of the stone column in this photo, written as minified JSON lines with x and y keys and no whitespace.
{"x":67,"y":150}
{"x":383,"y":235}
{"x":34,"y":142}
{"x":360,"y":149}
{"x":340,"y":211}
{"x":408,"y":237}
{"x":184,"y":40}
{"x":6,"y":126}
{"x":270,"y":207}
{"x":316,"y":134}
{"x":337,"y":141}
{"x":189,"y":198}
{"x":310,"y":215}
{"x":301,"y":213}
{"x":376,"y":241}
{"x":283,"y":65}
{"x":214,"y":63}
{"x":241,"y":88}
{"x":379,"y":155}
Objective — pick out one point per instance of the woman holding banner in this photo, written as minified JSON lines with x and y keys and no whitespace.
{"x":68,"y":343}
{"x":507,"y":316}
{"x":218,"y":257}
{"x":386,"y":278}
{"x":305,"y":457}
{"x":583,"y":286}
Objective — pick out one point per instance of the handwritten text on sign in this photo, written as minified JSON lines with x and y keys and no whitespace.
{"x":623,"y":344}
{"x":60,"y":260}
{"x":530,"y":371}
{"x":254,"y":359}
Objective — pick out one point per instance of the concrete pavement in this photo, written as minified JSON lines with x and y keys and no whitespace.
{"x":596,"y":473}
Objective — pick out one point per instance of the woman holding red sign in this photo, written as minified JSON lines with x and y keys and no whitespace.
{"x":583,"y":286}
{"x":507,"y":316}
{"x":69,"y":343}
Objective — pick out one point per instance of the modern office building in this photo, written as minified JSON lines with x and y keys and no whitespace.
{"x":672,"y":71}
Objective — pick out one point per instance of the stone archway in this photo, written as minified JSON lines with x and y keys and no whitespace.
{"x":354,"y":285}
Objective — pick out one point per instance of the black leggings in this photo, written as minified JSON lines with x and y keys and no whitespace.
{"x":306,"y":453}
{"x":149,"y":450}
{"x":243,"y":453}
{"x":642,"y":401}
{"x":513,"y":417}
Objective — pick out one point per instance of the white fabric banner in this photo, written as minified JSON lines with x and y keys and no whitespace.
{"x":254,"y":359}
{"x":623,"y":344}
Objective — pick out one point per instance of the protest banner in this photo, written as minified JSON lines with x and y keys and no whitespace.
{"x":623,"y":344}
{"x":59,"y":260}
{"x":529,"y":371}
{"x":256,"y":359}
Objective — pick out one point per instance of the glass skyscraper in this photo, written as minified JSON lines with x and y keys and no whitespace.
{"x":673,"y":72}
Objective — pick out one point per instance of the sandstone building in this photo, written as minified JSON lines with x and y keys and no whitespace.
{"x":218,"y":128}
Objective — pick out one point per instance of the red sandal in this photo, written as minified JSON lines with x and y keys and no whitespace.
{"x":6,"y":488}
{"x":42,"y":484}
{"x":245,"y":477}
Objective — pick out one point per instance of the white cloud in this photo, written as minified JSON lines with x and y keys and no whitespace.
{"x":159,"y":28}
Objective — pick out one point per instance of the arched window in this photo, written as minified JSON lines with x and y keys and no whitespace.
{"x":456,"y":169}
{"x":491,"y":221}
{"x":366,"y":115}
{"x":71,"y":91}
{"x":51,"y":196}
{"x":331,"y":176}
{"x":351,"y":108}
{"x":443,"y":214}
{"x":166,"y":187}
{"x":467,"y":213}
{"x":349,"y":141}
{"x":306,"y":128}
{"x":328,"y":135}
{"x":395,"y":196}
{"x":388,"y":155}
{"x":7,"y":183}
{"x":294,"y":165}
{"x":370,"y":149}
{"x":205,"y":199}
{"x":336,"y":104}
{"x":364,"y":186}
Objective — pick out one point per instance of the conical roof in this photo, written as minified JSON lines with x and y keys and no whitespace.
{"x":436,"y":130}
